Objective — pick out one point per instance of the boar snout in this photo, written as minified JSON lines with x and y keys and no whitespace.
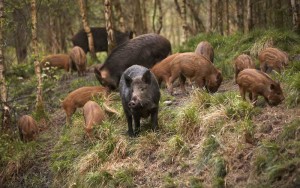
{"x":134,"y":102}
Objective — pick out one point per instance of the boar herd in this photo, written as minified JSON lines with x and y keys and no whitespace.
{"x":137,"y":67}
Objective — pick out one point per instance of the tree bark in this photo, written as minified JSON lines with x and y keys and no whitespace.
{"x":119,"y":14}
{"x":39,"y":99}
{"x":138,"y":18}
{"x":87,"y":29}
{"x":182,"y":14}
{"x":109,"y":27}
{"x":296,"y":14}
{"x":210,"y":6}
{"x":6,"y":118}
{"x":240,"y":15}
{"x":157,"y":4}
{"x":227,"y":17}
{"x":200,"y":25}
{"x":219,"y":9}
{"x":249,"y":16}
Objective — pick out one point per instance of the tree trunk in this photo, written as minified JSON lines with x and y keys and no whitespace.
{"x":39,"y":99}
{"x":157,"y":4}
{"x":249,"y":16}
{"x":20,"y":35}
{"x":210,"y":6}
{"x":119,"y":13}
{"x":278,"y":14}
{"x":87,"y":29}
{"x":145,"y":17}
{"x":6,"y":118}
{"x":109,"y":27}
{"x":219,"y":9}
{"x":227,"y":17}
{"x":182,"y":13}
{"x":200,"y":25}
{"x":240,"y":15}
{"x":138,"y":18}
{"x":296,"y":14}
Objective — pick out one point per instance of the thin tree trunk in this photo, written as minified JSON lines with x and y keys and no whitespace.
{"x":87,"y":29}
{"x":39,"y":99}
{"x":119,"y":13}
{"x":6,"y":118}
{"x":249,"y":16}
{"x":182,"y":13}
{"x":157,"y":4}
{"x":240,"y":15}
{"x":145,"y":17}
{"x":109,"y":27}
{"x":210,"y":6}
{"x":138,"y":19}
{"x":200,"y":25}
{"x":296,"y":14}
{"x":219,"y":8}
{"x":227,"y":17}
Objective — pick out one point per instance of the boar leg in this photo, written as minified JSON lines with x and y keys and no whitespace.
{"x":137,"y":119}
{"x":200,"y":82}
{"x":169,"y":86}
{"x":254,"y":98}
{"x":182,"y":83}
{"x":129,"y":122}
{"x":154,"y":120}
{"x":243,"y":93}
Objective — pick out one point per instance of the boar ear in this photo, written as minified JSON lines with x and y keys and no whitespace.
{"x":272,"y":86}
{"x":128,"y":80}
{"x":147,"y":77}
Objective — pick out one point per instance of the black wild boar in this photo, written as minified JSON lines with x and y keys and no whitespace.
{"x":100,"y":39}
{"x":145,"y":50}
{"x":140,"y":96}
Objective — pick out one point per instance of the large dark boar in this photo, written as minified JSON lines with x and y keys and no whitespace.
{"x":242,"y":62}
{"x":93,"y":114}
{"x":78,"y":59}
{"x":272,"y":59}
{"x":140,"y":96}
{"x":145,"y":50}
{"x":100,"y":39}
{"x":28,"y":128}
{"x":205,"y":48}
{"x":60,"y":61}
{"x":78,"y":98}
{"x":256,"y":83}
{"x":193,"y":66}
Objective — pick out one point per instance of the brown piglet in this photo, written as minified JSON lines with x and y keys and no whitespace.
{"x":205,"y":48}
{"x":256,"y":83}
{"x":60,"y":61}
{"x":28,"y":128}
{"x":242,"y":62}
{"x":78,"y":98}
{"x":93,"y":114}
{"x":195,"y":67}
{"x":78,"y":59}
{"x":272,"y":59}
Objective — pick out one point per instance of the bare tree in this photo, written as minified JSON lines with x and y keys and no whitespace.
{"x":138,"y":18}
{"x":182,"y":13}
{"x":240,"y":15}
{"x":219,"y":23}
{"x":210,"y":5}
{"x":109,"y":27}
{"x":157,"y":3}
{"x":87,"y":29}
{"x":200,"y":26}
{"x":249,"y":16}
{"x":39,"y":99}
{"x":6,"y":118}
{"x":227,"y":17}
{"x":296,"y":14}
{"x":119,"y":14}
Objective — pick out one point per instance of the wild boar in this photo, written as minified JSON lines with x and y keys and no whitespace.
{"x":256,"y":83}
{"x":140,"y":96}
{"x":272,"y":59}
{"x":160,"y":69}
{"x":205,"y":48}
{"x":145,"y":50}
{"x":242,"y":62}
{"x":100,"y":39}
{"x":60,"y":61}
{"x":93,"y":114}
{"x":78,"y":59}
{"x":28,"y":128}
{"x":78,"y":98}
{"x":193,"y":66}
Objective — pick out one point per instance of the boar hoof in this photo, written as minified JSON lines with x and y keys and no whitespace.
{"x":131,"y":134}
